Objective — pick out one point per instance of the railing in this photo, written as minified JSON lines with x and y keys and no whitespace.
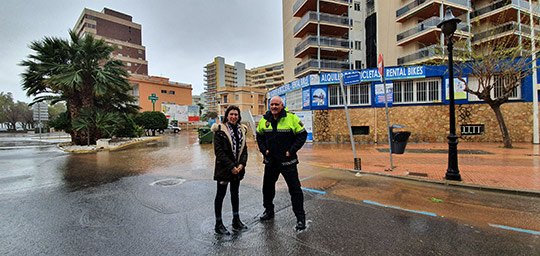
{"x":502,"y":3}
{"x":325,"y":64}
{"x":427,"y":52}
{"x":301,"y":2}
{"x":511,"y":26}
{"x":413,"y":4}
{"x":324,"y":17}
{"x":424,"y":53}
{"x":325,"y":41}
{"x":425,"y":25}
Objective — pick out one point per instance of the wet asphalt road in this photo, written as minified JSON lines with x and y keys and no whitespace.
{"x":157,"y":199}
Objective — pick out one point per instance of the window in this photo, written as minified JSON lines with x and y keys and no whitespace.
{"x":356,"y":94}
{"x":140,"y":51}
{"x":357,"y":6}
{"x":335,"y":97}
{"x":418,"y":91}
{"x":497,"y":90}
{"x":171,"y":92}
{"x":225,"y":99}
{"x":164,"y":91}
{"x":500,"y":85}
{"x":360,"y":130}
{"x":358,"y":64}
{"x":294,"y":100}
{"x":359,"y":94}
{"x":236,"y":97}
{"x":358,"y":45}
{"x":128,"y":64}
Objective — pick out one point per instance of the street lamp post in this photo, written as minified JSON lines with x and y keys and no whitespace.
{"x":448,"y":27}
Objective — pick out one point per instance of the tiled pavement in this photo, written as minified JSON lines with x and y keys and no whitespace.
{"x":484,"y":165}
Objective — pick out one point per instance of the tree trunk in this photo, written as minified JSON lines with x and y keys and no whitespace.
{"x":77,"y":137}
{"x":87,"y":100}
{"x":502,"y":125}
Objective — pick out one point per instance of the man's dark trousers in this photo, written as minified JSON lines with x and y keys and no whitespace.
{"x":290,"y":174}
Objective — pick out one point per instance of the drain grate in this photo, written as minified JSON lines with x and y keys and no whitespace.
{"x":418,"y":174}
{"x":168,"y":182}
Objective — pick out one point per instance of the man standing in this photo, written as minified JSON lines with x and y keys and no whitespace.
{"x":280,"y":135}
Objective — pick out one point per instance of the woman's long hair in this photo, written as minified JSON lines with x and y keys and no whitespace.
{"x":232,"y":107}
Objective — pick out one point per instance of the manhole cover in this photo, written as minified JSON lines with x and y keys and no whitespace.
{"x":168,"y":182}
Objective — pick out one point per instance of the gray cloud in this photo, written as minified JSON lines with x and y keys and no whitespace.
{"x":180,"y":36}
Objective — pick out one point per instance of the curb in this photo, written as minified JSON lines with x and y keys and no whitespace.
{"x":122,"y":146}
{"x":521,"y":192}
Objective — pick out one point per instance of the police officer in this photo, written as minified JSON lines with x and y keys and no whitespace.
{"x":280,"y":135}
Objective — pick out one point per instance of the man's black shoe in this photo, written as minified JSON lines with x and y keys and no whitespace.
{"x":267,"y":215}
{"x":301,"y":224}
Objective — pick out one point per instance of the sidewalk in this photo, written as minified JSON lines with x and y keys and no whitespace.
{"x":482,"y":165}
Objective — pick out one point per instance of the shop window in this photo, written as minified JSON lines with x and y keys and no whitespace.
{"x":417,"y":91}
{"x":294,"y":100}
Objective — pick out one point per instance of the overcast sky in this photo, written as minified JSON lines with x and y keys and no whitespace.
{"x":181,"y":36}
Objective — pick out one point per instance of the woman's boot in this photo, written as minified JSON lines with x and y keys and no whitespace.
{"x":220,"y":228}
{"x":237,"y":224}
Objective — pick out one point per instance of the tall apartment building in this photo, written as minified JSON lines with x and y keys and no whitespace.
{"x":335,"y":35}
{"x":116,"y":29}
{"x":231,"y":84}
{"x":321,"y":36}
{"x":268,"y":76}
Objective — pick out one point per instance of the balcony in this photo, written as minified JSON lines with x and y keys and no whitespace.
{"x":329,"y":46}
{"x":326,"y":66}
{"x":330,"y":25}
{"x":507,"y":29}
{"x":429,"y":8}
{"x":426,"y":32}
{"x":326,"y":6}
{"x":488,"y":11}
{"x":427,"y":53}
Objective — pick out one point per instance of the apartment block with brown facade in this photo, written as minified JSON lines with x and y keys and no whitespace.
{"x":116,"y":29}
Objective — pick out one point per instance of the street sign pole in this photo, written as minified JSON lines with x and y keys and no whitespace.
{"x":380,"y":65}
{"x":357,"y":163}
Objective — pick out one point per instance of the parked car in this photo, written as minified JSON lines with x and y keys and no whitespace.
{"x":174,"y":129}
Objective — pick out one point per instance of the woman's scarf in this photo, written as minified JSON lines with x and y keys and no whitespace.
{"x":237,"y":138}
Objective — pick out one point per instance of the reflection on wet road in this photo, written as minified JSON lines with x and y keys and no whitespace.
{"x":156,"y":198}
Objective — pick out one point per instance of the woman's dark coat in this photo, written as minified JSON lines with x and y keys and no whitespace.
{"x":225,"y":161}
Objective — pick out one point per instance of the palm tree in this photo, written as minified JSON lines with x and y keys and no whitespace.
{"x":80,"y":72}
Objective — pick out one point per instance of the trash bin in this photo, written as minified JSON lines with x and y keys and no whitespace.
{"x":205,"y":135}
{"x":399,"y":139}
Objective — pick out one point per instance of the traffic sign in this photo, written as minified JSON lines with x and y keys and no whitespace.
{"x":153,"y":98}
{"x":41,"y":111}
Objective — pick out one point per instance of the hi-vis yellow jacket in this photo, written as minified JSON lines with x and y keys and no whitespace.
{"x":287,"y":133}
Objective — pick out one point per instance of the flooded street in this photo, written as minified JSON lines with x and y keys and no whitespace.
{"x":156,"y":198}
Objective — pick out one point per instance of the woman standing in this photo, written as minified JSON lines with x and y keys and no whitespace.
{"x":231,"y":156}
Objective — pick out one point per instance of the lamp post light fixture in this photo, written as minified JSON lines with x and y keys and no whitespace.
{"x":448,"y":27}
